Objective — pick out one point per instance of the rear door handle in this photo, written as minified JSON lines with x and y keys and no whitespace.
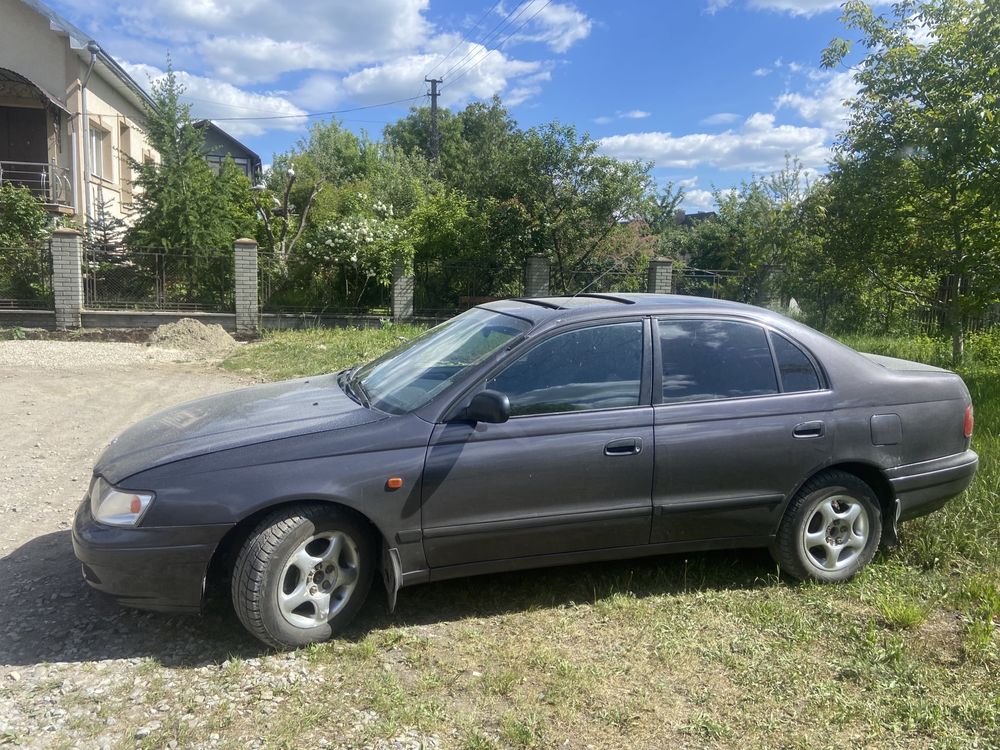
{"x":808,"y":429}
{"x":623,"y":447}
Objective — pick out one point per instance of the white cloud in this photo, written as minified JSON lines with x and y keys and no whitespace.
{"x":823,"y":103}
{"x":759,"y":145}
{"x":211,"y":98}
{"x":714,"y":6}
{"x":631,"y":114}
{"x":721,"y":118}
{"x":761,"y":72}
{"x":256,"y":40}
{"x":257,"y":59}
{"x":698,"y":200}
{"x":559,"y":26}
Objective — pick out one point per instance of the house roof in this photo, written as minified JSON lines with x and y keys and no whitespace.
{"x":105,"y":65}
{"x":226,"y":137}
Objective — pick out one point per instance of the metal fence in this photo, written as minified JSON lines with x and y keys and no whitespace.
{"x":598,"y":278}
{"x":158,"y":279}
{"x":25,"y":278}
{"x":446,"y":287}
{"x":313,"y":291}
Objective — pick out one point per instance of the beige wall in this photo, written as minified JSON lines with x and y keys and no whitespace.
{"x":30,"y":48}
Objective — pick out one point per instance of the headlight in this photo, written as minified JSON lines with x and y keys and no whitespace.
{"x":117,"y":507}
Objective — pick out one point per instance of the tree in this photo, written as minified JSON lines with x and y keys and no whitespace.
{"x":23,"y":221}
{"x":24,"y":227}
{"x":917,"y":179}
{"x":181,"y":203}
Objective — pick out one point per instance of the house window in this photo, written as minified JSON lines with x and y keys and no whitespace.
{"x":100,"y":152}
{"x":215,"y":163}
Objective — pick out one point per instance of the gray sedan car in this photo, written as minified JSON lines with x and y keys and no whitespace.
{"x":519,"y":434}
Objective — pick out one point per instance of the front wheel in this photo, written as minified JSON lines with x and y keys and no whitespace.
{"x":302,"y":575}
{"x":830,"y":530}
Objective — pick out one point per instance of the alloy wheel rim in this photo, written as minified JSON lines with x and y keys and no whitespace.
{"x":836,"y":533}
{"x":318,"y":579}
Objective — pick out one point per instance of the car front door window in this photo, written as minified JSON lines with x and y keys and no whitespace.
{"x":586,"y":369}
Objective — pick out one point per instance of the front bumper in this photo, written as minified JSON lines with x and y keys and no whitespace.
{"x":158,"y":568}
{"x":924,"y":487}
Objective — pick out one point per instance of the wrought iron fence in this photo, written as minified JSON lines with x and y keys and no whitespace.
{"x":49,"y":182}
{"x":446,"y":287}
{"x":25,"y":278}
{"x":159,"y":279}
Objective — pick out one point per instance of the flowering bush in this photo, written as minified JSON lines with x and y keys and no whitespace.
{"x":371,"y":238}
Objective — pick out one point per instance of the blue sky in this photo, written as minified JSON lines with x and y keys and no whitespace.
{"x":711,"y":91}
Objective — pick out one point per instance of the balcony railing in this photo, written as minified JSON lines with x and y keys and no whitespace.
{"x":49,"y":182}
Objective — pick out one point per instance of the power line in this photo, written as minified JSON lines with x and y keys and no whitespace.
{"x":483,"y":41}
{"x":462,"y":38}
{"x":474,"y":63}
{"x":318,"y":114}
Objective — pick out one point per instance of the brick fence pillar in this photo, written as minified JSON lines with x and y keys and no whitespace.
{"x":402,"y":294}
{"x":536,"y":276}
{"x":660,"y":278}
{"x":247,"y":304}
{"x":67,"y":276}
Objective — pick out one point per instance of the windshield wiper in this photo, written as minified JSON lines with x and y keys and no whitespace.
{"x":358,"y":388}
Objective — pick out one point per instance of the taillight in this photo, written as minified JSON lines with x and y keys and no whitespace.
{"x":969,"y":421}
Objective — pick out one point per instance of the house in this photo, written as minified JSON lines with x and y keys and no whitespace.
{"x":70,"y":117}
{"x":69,"y":114}
{"x":219,"y":144}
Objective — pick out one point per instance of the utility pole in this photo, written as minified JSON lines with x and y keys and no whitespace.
{"x":435,"y":143}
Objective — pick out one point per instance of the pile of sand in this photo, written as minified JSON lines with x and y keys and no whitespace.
{"x":189,"y":335}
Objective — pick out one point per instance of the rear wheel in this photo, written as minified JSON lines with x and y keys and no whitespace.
{"x":831,"y":529}
{"x":302,"y":575}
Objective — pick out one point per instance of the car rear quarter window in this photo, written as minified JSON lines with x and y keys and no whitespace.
{"x":715,"y":359}
{"x":797,"y":371}
{"x":581,"y":370}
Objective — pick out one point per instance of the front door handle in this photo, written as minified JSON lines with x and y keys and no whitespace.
{"x":623,"y":447}
{"x":808,"y":429}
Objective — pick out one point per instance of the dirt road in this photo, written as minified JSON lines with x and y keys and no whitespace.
{"x":60,"y":403}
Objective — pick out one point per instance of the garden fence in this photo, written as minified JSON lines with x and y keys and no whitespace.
{"x":25,"y":278}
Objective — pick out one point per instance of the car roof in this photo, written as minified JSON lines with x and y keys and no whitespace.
{"x":597,"y":305}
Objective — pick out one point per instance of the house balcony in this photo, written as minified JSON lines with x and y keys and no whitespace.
{"x":48,"y":182}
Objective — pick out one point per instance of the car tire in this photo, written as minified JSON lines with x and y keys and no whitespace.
{"x":303,"y":574}
{"x":830,"y":530}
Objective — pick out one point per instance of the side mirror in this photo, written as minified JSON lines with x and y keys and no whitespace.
{"x":488,"y":406}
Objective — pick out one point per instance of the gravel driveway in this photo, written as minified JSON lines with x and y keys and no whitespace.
{"x":63,"y":646}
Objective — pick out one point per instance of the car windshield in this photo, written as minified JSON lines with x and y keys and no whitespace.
{"x":412,"y":374}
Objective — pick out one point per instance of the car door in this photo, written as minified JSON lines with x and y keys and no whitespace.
{"x":572,"y":468}
{"x":741,"y":419}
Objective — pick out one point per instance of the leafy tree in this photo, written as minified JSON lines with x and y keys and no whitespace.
{"x":23,"y":221}
{"x":24,"y":227}
{"x":916,"y":180}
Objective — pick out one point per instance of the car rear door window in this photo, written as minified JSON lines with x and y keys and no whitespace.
{"x":797,"y":371}
{"x":715,"y":359}
{"x":581,"y":370}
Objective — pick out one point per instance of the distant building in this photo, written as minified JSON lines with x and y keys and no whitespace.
{"x":219,"y":144}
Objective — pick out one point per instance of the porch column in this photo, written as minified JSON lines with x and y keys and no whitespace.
{"x":66,"y":246}
{"x":247,"y":303}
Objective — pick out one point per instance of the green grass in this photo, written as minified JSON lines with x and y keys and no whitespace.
{"x":694,"y":650}
{"x":292,"y":354}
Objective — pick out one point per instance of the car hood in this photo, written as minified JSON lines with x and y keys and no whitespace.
{"x":231,"y":420}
